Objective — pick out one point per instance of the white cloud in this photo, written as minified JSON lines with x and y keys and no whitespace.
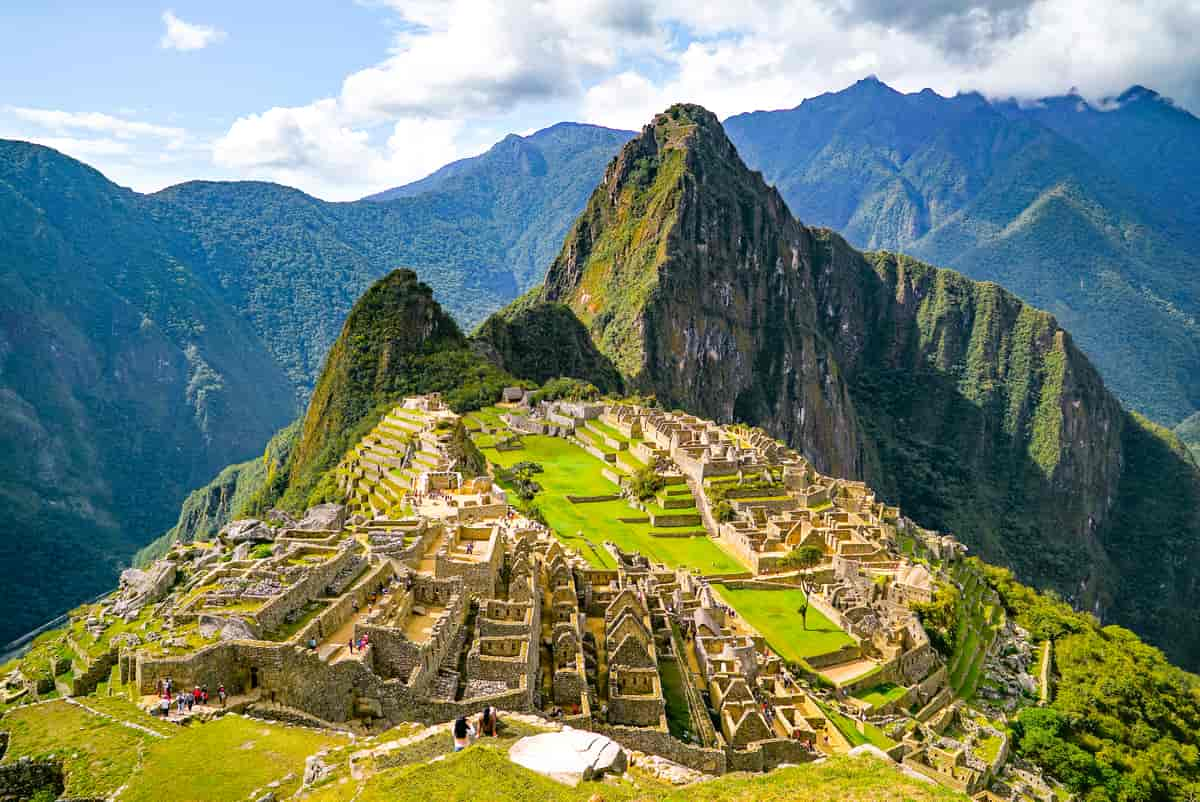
{"x":311,"y":147}
{"x":180,"y":35}
{"x":92,"y":121}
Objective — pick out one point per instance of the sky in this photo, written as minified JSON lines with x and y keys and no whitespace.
{"x":342,"y":99}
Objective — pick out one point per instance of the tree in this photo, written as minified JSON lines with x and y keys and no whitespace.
{"x":804,"y":558}
{"x":645,"y":482}
{"x":803,"y":610}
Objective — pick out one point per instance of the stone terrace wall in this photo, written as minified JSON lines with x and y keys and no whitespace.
{"x":21,"y":779}
{"x":340,"y":611}
{"x":271,"y":615}
{"x":657,"y":742}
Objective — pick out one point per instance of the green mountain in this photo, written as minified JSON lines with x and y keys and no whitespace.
{"x":125,"y":381}
{"x":1087,"y":213}
{"x":478,"y":231}
{"x":397,"y":341}
{"x":969,"y":408}
{"x":148,"y":340}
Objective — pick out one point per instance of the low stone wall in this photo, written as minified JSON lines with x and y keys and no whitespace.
{"x":593,"y":499}
{"x":338,"y":613}
{"x":676,"y":519}
{"x":842,"y":655}
{"x":22,"y":779}
{"x":272,"y":614}
{"x":657,"y":742}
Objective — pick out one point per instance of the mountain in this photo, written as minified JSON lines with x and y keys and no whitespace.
{"x":479,"y":231}
{"x":1071,"y":207}
{"x":148,"y":340}
{"x":532,"y":187}
{"x":971,"y":409}
{"x":397,"y":341}
{"x":125,"y":381}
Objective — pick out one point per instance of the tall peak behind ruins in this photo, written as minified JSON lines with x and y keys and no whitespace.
{"x":960,"y":402}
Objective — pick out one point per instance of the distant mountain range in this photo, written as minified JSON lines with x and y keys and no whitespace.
{"x":1088,"y":212}
{"x":148,"y":340}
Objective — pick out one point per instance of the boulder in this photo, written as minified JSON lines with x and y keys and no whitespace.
{"x":225,"y":628}
{"x":247,"y":530}
{"x":139,"y":588}
{"x":569,"y":756}
{"x":281,"y":519}
{"x":315,"y":770}
{"x":324,"y":517}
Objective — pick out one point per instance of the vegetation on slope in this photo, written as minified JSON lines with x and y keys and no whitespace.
{"x":125,"y":382}
{"x":396,"y":342}
{"x":1124,"y":723}
{"x":1088,"y":213}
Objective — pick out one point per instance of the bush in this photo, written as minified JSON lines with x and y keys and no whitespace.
{"x":645,"y":482}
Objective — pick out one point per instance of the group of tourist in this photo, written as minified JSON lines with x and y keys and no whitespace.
{"x":464,"y":731}
{"x":362,"y":642}
{"x":184,"y":700}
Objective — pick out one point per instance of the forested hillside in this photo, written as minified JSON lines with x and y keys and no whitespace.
{"x":1087,"y":213}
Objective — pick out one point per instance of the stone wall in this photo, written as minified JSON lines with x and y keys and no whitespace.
{"x":272,"y":614}
{"x":658,"y":742}
{"x":21,"y":779}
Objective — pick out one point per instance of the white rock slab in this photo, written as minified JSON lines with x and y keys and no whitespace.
{"x":569,"y":756}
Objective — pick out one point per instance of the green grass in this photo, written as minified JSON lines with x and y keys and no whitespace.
{"x":849,"y":729}
{"x":569,"y":470}
{"x":485,"y":773}
{"x":881,"y":694}
{"x":224,"y":760}
{"x":774,"y":614}
{"x":679,"y":717}
{"x":99,"y":755}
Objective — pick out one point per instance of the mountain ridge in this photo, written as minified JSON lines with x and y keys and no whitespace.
{"x":960,"y":401}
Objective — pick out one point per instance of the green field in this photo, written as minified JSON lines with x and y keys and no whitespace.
{"x":224,"y":760}
{"x":881,"y":694}
{"x":774,"y":614}
{"x":569,"y":470}
{"x":98,"y":754}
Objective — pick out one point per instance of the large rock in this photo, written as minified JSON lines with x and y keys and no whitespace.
{"x":247,"y":530}
{"x":324,"y":517}
{"x":225,"y":628}
{"x":569,"y":756}
{"x":139,"y":588}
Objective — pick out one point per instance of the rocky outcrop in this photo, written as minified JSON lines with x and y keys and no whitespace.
{"x":247,"y":530}
{"x":324,"y":517}
{"x":139,"y":588}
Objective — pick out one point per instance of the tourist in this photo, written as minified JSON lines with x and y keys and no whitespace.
{"x":463,"y":733}
{"x":312,"y":644}
{"x":164,"y":707}
{"x":221,"y":694}
{"x":204,"y":694}
{"x":488,"y":720}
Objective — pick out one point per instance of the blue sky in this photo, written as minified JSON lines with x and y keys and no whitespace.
{"x":346,"y":98}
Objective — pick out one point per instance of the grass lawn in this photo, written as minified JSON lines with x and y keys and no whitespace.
{"x":774,"y":614}
{"x":98,"y":754}
{"x":881,"y":694}
{"x":483,"y":772}
{"x":225,"y":759}
{"x":569,"y":470}
{"x":848,"y":728}
{"x":679,"y":717}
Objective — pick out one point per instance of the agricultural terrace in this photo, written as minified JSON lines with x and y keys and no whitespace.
{"x":774,"y":614}
{"x":569,"y":470}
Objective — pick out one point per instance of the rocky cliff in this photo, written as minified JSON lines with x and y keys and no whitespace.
{"x":971,"y":409}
